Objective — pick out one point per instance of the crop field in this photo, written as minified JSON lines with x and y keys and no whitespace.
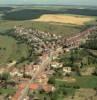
{"x":68,"y":19}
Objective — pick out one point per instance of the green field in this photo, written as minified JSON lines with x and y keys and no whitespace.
{"x":64,"y":88}
{"x":7,"y":91}
{"x":54,"y":28}
{"x":11,"y":50}
{"x":81,"y":81}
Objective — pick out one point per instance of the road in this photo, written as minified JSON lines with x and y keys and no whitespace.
{"x":42,"y":67}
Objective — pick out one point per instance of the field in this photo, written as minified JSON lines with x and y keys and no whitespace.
{"x":10,"y":50}
{"x":8,"y":91}
{"x":56,"y":28}
{"x":69,"y":88}
{"x":67,"y":19}
{"x":81,"y":81}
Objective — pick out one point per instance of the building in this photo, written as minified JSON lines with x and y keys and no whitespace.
{"x":66,"y":70}
{"x":48,"y":88}
{"x":56,"y":65}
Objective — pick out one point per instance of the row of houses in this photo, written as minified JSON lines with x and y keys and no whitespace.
{"x":78,"y":38}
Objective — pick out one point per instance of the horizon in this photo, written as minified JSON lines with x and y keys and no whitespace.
{"x":46,"y":5}
{"x":49,"y":2}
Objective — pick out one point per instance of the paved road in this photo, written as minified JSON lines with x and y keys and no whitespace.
{"x":42,"y":67}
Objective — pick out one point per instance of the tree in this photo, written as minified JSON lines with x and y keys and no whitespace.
{"x":24,"y":69}
{"x":5,"y":77}
{"x":72,"y":58}
{"x":51,"y":80}
{"x":95,"y":72}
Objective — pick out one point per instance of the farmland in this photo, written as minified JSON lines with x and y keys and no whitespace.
{"x":78,"y":20}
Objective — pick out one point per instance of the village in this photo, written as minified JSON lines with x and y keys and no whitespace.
{"x":36,"y":76}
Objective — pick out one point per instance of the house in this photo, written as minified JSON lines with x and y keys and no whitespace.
{"x":11,"y":64}
{"x":2,"y":97}
{"x":56,"y":65}
{"x":29,"y":69}
{"x":66,"y":70}
{"x":50,"y":72}
{"x":34,"y":86}
{"x":87,"y":71}
{"x":67,"y":50}
{"x":15,"y":72}
{"x":48,"y":88}
{"x":2,"y":70}
{"x":42,"y":79}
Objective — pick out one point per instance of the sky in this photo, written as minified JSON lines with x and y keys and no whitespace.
{"x":62,"y":2}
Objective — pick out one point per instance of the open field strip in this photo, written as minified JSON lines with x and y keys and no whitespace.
{"x":61,"y":18}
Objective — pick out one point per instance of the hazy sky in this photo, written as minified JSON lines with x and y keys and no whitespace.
{"x":65,"y":2}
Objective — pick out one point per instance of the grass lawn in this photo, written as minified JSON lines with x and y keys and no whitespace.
{"x":7,"y":91}
{"x":70,"y":91}
{"x":82,"y":82}
{"x":10,"y":50}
